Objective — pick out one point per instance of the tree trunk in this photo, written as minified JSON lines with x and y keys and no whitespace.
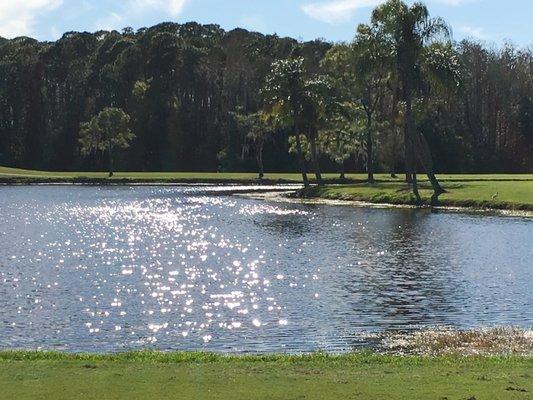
{"x":409,"y":156}
{"x":369,"y":149}
{"x":301,"y":160}
{"x":410,"y":164}
{"x":314,"y":156}
{"x":392,"y":121}
{"x":414,"y":181}
{"x":110,"y":151}
{"x":424,"y":154}
{"x":419,"y":145}
{"x":260,"y":161}
{"x":343,"y":173}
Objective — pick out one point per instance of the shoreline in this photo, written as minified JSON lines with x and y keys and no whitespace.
{"x":33,"y":181}
{"x":423,"y":343}
{"x":281,"y":190}
{"x":394,"y":199}
{"x":155,"y":356}
{"x":288,"y":197}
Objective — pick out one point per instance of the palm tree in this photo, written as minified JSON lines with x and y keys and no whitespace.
{"x":318,"y":102}
{"x":371,"y":59}
{"x":300,"y":102}
{"x":410,"y":30}
{"x":360,"y":71}
{"x":283,"y":90}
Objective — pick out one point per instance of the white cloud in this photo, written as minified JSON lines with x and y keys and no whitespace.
{"x":453,"y":2}
{"x":135,"y":10}
{"x":55,"y":33}
{"x":110,"y":22}
{"x":254,"y":23}
{"x":472,"y":31}
{"x":17,"y":18}
{"x":337,"y":11}
{"x":172,"y":7}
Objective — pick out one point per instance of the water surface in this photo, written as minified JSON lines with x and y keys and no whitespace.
{"x":179,"y":268}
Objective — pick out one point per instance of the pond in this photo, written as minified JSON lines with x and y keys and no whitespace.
{"x":101,"y":269}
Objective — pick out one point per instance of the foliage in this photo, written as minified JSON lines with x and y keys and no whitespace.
{"x":107,"y":130}
{"x":180,"y":83}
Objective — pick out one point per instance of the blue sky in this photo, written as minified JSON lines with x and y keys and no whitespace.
{"x":491,"y":21}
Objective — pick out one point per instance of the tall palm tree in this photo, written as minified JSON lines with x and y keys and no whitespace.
{"x":371,"y":60}
{"x":301,"y":101}
{"x":283,"y":91}
{"x":318,"y":101}
{"x":410,"y":31}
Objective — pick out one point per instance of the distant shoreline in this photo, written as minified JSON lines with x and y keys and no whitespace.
{"x":512,"y":193}
{"x":21,"y":181}
{"x":331,"y":194}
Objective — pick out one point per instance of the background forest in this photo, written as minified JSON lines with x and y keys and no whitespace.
{"x":182,"y":84}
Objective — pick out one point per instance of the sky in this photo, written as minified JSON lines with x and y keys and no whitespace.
{"x":493,"y":22}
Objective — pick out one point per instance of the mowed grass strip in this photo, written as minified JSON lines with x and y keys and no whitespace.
{"x":206,"y":376}
{"x":495,"y":194}
{"x":512,"y":191}
{"x":7,"y":172}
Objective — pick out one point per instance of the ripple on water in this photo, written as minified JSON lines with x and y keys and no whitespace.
{"x":105,"y":269}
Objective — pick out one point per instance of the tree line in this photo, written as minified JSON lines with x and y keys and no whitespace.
{"x":401,"y":97}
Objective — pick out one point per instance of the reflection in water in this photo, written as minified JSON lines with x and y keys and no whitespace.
{"x":105,"y":269}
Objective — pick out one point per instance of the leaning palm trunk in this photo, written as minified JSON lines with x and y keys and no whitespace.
{"x":418,"y":144}
{"x":301,"y":160}
{"x":426,"y":160}
{"x":410,"y":163}
{"x":314,"y":156}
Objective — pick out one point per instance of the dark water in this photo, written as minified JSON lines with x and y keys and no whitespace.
{"x":106,"y":269}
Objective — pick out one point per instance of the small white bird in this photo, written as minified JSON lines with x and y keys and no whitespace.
{"x":495,"y":195}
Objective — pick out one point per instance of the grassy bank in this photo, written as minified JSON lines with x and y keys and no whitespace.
{"x":204,"y":376}
{"x":30,"y":176}
{"x":481,"y":193}
{"x":514,"y":192}
{"x":13,"y":175}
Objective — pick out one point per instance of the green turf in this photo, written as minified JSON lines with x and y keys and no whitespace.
{"x":514,"y":191}
{"x":496,"y":194}
{"x":15,"y":172}
{"x":198,"y":376}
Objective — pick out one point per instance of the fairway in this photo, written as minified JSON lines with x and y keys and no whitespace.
{"x":320,"y":377}
{"x":474,"y":193}
{"x":6,"y":172}
{"x":270,"y":200}
{"x":496,"y":191}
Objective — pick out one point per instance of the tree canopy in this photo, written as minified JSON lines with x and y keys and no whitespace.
{"x":180,"y":83}
{"x":105,"y":132}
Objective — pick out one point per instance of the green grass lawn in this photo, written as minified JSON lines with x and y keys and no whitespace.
{"x":509,"y":194}
{"x":6,"y":172}
{"x":15,"y":172}
{"x":199,"y":376}
{"x":514,"y":191}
